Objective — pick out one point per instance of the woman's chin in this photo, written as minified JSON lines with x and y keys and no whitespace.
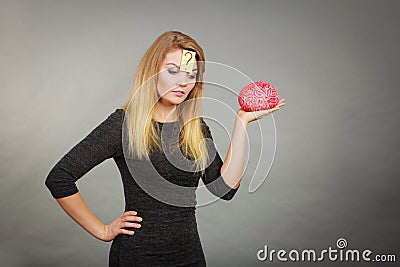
{"x":176,"y":100}
{"x":171,"y":102}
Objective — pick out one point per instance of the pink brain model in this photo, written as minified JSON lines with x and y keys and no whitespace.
{"x":258,"y":96}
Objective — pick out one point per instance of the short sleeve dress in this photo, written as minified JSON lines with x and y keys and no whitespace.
{"x":168,"y":235}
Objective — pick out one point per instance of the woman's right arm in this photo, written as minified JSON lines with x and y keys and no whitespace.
{"x":101,"y":143}
{"x":76,"y":208}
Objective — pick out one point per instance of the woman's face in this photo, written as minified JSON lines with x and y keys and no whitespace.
{"x":173,"y":85}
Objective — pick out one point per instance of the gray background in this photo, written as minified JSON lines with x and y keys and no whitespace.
{"x":66,"y":65}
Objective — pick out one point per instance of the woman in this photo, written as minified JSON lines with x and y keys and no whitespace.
{"x":156,"y":229}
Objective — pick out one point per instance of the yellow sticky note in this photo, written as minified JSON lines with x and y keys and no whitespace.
{"x":187,"y":61}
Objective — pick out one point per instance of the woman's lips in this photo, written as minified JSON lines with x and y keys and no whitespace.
{"x":178,"y":93}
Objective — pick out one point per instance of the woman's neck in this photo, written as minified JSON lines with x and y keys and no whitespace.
{"x":164,"y":113}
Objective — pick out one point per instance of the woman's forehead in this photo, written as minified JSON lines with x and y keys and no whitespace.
{"x":174,"y":57}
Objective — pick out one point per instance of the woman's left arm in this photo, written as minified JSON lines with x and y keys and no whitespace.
{"x":231,"y":170}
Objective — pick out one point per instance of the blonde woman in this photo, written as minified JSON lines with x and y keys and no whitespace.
{"x":163,"y":107}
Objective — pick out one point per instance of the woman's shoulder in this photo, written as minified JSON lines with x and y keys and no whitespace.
{"x":119,"y":111}
{"x":202,"y":121}
{"x":205,"y":128}
{"x":113,"y":122}
{"x":118,"y":114}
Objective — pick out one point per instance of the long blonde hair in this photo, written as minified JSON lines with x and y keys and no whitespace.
{"x":139,"y":106}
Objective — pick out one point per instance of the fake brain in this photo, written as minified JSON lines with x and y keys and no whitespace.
{"x":258,"y":96}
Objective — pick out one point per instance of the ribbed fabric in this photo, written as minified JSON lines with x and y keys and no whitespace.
{"x":169,"y":235}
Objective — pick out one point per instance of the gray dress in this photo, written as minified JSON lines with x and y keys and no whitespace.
{"x":169,"y":234}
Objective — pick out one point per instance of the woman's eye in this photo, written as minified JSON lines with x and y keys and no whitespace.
{"x":192,"y":76}
{"x":173,"y":71}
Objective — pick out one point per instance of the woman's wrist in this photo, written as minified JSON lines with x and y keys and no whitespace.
{"x":103,"y":233}
{"x":241,"y":120}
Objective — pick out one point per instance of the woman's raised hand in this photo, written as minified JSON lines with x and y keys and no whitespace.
{"x":249,"y":116}
{"x":116,"y":228}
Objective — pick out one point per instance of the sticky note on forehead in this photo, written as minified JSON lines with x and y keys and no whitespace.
{"x":187,"y":61}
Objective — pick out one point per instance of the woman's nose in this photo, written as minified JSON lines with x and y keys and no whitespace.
{"x":182,"y":84}
{"x":183,"y":79}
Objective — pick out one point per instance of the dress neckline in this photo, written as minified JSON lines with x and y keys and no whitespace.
{"x":159,"y":122}
{"x":166,"y":122}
